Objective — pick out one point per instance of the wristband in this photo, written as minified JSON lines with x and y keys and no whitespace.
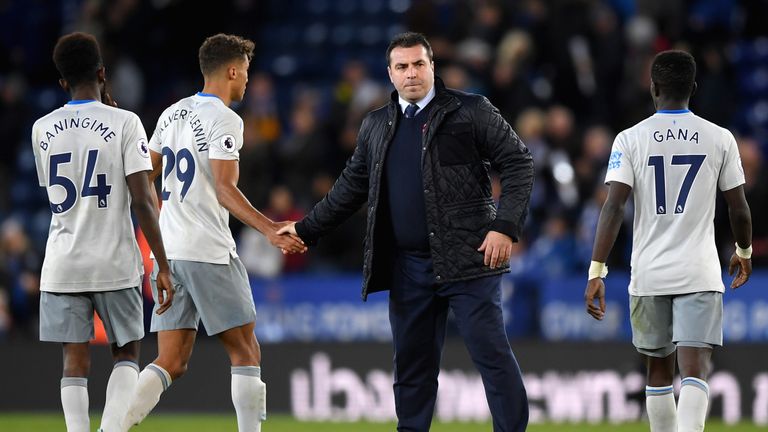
{"x":597,"y":270}
{"x":744,"y":253}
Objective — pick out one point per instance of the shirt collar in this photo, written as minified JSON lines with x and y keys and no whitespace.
{"x":422,"y":103}
{"x":674,"y":111}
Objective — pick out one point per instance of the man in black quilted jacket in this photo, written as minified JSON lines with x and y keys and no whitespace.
{"x":435,"y":238}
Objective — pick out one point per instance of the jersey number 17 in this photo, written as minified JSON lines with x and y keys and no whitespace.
{"x":657,"y":162}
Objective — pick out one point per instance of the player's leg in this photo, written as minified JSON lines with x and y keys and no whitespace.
{"x":176,"y":331}
{"x":74,"y":386}
{"x":476,"y":304}
{"x":651,"y":319}
{"x":223,"y":296}
{"x":121,"y":385}
{"x":659,"y":394}
{"x":249,"y":393}
{"x":698,"y":328}
{"x":121,"y":311}
{"x":68,"y":319}
{"x":417,"y":318}
{"x":694,"y":390}
{"x":174,"y":351}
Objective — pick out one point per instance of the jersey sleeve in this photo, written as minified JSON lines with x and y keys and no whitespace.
{"x":135,"y":147}
{"x":620,"y":163}
{"x":227,"y":139}
{"x":731,"y":173}
{"x":36,"y":143}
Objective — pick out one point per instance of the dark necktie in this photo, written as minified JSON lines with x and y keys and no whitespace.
{"x":410,"y":110}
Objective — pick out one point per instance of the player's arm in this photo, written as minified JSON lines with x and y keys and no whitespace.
{"x":144,"y":207}
{"x":611,"y":217}
{"x":741,"y":227}
{"x":157,"y":167}
{"x":225,"y":176}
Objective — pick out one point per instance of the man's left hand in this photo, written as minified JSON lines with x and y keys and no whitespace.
{"x":497,"y":248}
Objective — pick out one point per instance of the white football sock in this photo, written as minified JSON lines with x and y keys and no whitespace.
{"x":120,"y":388}
{"x":153,"y":381}
{"x":692,"y":406}
{"x":249,"y":395}
{"x":660,"y":404}
{"x":74,"y":401}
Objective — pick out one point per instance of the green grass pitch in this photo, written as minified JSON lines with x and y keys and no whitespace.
{"x":44,"y":422}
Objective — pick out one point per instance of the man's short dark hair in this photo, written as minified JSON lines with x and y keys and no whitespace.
{"x":674,"y":74}
{"x":220,"y":49}
{"x":407,"y":40}
{"x":77,"y":58}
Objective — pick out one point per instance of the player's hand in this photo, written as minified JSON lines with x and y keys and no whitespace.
{"x":106,"y":98}
{"x":743,"y":269}
{"x":284,"y":237}
{"x":595,"y":291}
{"x":164,"y":291}
{"x":497,"y":248}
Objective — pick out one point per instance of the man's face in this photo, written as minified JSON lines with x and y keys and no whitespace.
{"x":411,"y":71}
{"x":241,"y":79}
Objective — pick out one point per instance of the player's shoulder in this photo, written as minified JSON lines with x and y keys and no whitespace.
{"x":120,"y":113}
{"x":636,"y":133}
{"x":625,"y":135}
{"x":47,"y":118}
{"x":181,"y":103}
{"x":224,"y":113}
{"x":713,"y":128}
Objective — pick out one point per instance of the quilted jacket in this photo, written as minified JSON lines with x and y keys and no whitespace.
{"x":464,"y":137}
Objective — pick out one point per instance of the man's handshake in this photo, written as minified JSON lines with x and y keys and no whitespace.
{"x":283,"y":235}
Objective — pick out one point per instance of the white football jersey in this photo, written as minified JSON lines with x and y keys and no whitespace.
{"x":188,"y":134}
{"x":83,"y":152}
{"x":675,"y":161}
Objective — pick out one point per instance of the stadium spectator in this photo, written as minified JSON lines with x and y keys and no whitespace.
{"x":259,"y":257}
{"x":20,"y":271}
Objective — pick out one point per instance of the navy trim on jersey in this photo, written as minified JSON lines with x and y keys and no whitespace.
{"x":80,"y":101}
{"x":680,"y":111}
{"x":207,"y":95}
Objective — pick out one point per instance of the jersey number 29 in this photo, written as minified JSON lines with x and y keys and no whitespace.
{"x":185,"y":175}
{"x":657,"y":162}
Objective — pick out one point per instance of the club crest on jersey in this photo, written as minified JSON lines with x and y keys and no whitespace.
{"x":228,"y":143}
{"x":615,"y":160}
{"x":143,"y":148}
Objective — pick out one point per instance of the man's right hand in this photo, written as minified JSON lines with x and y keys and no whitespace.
{"x":288,"y":228}
{"x":744,"y":267}
{"x":595,"y":292}
{"x":284,"y":237}
{"x":164,"y":290}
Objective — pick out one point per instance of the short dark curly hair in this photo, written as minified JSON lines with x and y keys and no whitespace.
{"x":407,"y":40}
{"x":77,"y":58}
{"x":674,"y":73}
{"x":220,"y":49}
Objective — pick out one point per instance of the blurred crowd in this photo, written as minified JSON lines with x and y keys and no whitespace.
{"x":566,"y":74}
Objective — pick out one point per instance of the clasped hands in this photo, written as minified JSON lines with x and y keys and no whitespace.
{"x":283,"y":236}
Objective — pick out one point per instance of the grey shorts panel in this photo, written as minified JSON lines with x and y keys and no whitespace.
{"x":68,"y":317}
{"x":660,"y":323}
{"x":219,"y":294}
